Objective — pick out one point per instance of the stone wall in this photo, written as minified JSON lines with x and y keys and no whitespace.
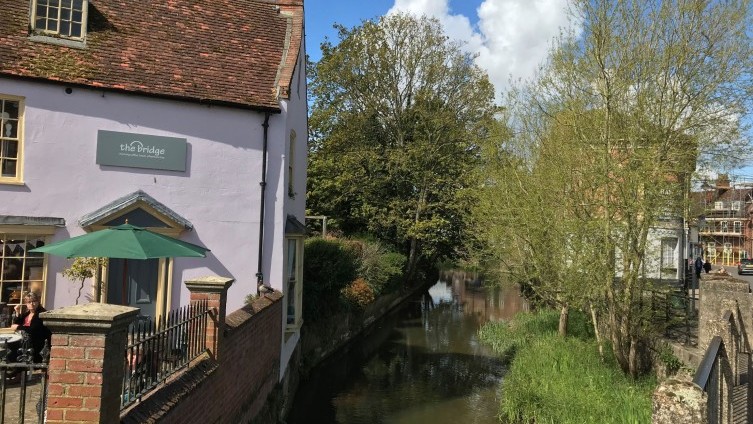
{"x":720,"y":293}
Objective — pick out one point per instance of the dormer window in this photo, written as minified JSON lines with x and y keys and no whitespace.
{"x":62,"y":18}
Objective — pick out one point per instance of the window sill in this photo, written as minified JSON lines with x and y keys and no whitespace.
{"x":12,"y":182}
{"x":66,"y":42}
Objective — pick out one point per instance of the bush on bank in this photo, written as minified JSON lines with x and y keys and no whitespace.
{"x":552,"y":379}
{"x":340,"y":273}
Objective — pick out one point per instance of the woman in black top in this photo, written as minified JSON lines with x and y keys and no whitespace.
{"x":30,"y":322}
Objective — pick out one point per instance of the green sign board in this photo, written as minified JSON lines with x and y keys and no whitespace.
{"x":141,"y":151}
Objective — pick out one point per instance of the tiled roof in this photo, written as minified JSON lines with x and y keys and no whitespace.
{"x":238,"y":52}
{"x":128,"y":200}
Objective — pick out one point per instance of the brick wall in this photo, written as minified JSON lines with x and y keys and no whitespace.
{"x":231,"y":388}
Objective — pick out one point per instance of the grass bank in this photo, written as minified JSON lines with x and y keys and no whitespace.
{"x":562,"y":380}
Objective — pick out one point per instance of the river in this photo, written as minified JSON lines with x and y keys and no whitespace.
{"x":423,"y":363}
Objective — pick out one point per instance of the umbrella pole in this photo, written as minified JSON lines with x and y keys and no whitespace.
{"x":97,"y":283}
{"x":125,"y":274}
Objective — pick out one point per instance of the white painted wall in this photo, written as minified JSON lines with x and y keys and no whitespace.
{"x":219,"y":193}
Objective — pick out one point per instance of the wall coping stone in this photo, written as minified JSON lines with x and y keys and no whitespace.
{"x":725,"y":283}
{"x":210,"y":283}
{"x":240,"y":316}
{"x":92,"y":317}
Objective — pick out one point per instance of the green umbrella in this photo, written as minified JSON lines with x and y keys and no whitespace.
{"x":123,"y":242}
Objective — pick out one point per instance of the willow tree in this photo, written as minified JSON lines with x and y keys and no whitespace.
{"x":646,"y":92}
{"x":397,"y":112}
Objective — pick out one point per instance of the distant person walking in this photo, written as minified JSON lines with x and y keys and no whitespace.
{"x":699,"y":265}
{"x":707,"y":267}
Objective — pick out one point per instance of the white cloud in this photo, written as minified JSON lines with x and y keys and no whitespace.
{"x":512,"y":37}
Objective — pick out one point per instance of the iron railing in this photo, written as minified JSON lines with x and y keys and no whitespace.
{"x":674,"y":312}
{"x":23,"y":379}
{"x":158,"y":349}
{"x":707,"y":378}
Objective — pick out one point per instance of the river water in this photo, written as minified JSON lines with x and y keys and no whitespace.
{"x":422,"y":363}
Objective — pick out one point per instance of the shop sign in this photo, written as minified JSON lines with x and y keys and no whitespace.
{"x":141,"y":151}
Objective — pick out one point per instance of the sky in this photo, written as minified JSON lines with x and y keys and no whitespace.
{"x":511,"y":37}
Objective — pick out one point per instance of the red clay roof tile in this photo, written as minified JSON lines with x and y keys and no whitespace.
{"x":228,"y":52}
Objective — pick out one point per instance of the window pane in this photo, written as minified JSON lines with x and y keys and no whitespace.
{"x":9,"y":129}
{"x":65,"y":14}
{"x":11,"y":108}
{"x":8,"y":168}
{"x":10,"y":149}
{"x":76,"y":30}
{"x":64,"y":28}
{"x":77,"y":4}
{"x":291,"y":303}
{"x":12,"y":269}
{"x":40,"y":24}
{"x":52,"y":13}
{"x":77,"y":16}
{"x":291,"y":259}
{"x":52,"y":26}
{"x":41,"y":14}
{"x":43,"y":2}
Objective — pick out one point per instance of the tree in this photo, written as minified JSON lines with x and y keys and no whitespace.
{"x":397,"y":114}
{"x":617,"y":121}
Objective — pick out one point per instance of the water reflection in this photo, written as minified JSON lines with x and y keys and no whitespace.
{"x":422,"y":364}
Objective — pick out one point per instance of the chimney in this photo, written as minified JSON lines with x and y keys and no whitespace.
{"x":722,"y":184}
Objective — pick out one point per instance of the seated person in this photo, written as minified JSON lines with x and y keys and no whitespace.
{"x":30,"y":322}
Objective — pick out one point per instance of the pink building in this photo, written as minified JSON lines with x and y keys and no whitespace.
{"x":189,"y":118}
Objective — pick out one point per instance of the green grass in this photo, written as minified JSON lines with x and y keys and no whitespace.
{"x":562,"y":380}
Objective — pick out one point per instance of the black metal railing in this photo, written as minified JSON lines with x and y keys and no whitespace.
{"x":158,"y":349}
{"x":674,"y":312}
{"x":23,"y":379}
{"x":707,"y":378}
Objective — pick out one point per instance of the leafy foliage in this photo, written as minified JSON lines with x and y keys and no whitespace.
{"x":340,"y":272}
{"x":81,"y":269}
{"x":396,"y":117}
{"x":563,"y":380}
{"x":380,"y":268}
{"x":603,"y":145}
{"x":329,"y":266}
{"x":358,"y":293}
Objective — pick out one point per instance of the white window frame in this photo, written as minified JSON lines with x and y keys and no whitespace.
{"x":718,"y":205}
{"x":5,"y":138}
{"x":737,"y":227}
{"x":59,"y":5}
{"x":294,"y":278}
{"x":725,"y":226}
{"x":736,"y":205}
{"x":668,"y":252}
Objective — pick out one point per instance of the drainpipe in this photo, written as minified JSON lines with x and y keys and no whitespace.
{"x":263,"y":184}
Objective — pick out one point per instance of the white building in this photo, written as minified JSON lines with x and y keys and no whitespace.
{"x":185,"y":117}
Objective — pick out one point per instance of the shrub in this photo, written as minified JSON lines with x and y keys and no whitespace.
{"x":329,"y":266}
{"x":379,"y":267}
{"x":358,"y":293}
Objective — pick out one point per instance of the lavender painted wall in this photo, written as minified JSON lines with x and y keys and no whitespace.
{"x":219,"y":192}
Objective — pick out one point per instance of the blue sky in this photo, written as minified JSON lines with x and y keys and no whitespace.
{"x":509,"y":37}
{"x":322,"y":14}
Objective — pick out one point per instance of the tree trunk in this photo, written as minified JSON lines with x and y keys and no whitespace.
{"x":597,"y":333}
{"x":564,"y":313}
{"x":633,"y":358}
